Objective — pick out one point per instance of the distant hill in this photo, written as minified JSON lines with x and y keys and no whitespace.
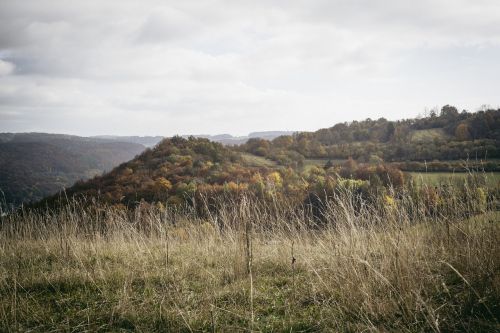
{"x":35,"y":165}
{"x":228,"y":139}
{"x":147,"y":141}
{"x":269,"y":135}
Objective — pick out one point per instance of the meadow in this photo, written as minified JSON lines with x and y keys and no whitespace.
{"x":492,"y":179}
{"x":383,"y":266}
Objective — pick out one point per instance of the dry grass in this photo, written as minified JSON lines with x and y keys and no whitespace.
{"x":258,"y":161}
{"x":428,"y":135}
{"x":362,"y":270}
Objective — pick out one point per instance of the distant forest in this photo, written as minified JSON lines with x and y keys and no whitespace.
{"x":35,"y":165}
{"x":449,"y":135}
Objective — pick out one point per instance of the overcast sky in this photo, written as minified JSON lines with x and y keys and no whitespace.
{"x":213,"y":66}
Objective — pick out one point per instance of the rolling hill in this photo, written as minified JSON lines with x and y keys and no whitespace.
{"x":174,"y":169}
{"x":181,"y":171}
{"x":179,"y":167}
{"x":36,"y":165}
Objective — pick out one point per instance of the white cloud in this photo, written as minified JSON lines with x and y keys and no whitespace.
{"x":164,"y":67}
{"x":6,"y":68}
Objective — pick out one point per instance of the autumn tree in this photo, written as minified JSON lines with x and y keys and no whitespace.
{"x":462,"y":132}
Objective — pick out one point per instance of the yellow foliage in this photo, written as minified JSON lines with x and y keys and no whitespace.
{"x":160,"y":206}
{"x":351,"y":184}
{"x":163,"y":184}
{"x":127,"y":171}
{"x":275,"y":179}
{"x":389,"y":201}
{"x":231,"y":187}
{"x":257,"y":183}
{"x":256,"y":178}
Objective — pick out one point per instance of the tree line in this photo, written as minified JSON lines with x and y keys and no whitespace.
{"x":449,"y":135}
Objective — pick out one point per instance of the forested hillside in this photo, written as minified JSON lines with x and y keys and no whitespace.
{"x":370,"y":156}
{"x":181,"y":171}
{"x":449,"y":135}
{"x":35,"y":165}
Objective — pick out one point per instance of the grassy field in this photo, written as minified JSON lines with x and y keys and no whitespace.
{"x":428,"y":135}
{"x":492,"y":179}
{"x":310,"y":162}
{"x":365,"y":270}
{"x":257,"y":161}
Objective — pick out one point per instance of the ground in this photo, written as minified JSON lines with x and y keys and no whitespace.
{"x":192,"y":278}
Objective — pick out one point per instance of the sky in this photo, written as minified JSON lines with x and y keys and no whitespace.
{"x":231,"y":66}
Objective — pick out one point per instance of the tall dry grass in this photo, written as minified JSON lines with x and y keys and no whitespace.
{"x":362,"y":266}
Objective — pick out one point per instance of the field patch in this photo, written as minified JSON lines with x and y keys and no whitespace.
{"x":257,"y":161}
{"x":428,"y":135}
{"x":491,"y":179}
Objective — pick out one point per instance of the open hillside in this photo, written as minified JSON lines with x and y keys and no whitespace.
{"x":35,"y":165}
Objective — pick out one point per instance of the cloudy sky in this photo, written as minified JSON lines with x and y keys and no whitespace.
{"x":231,"y":66}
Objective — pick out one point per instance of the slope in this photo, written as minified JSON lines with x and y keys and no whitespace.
{"x":35,"y":165}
